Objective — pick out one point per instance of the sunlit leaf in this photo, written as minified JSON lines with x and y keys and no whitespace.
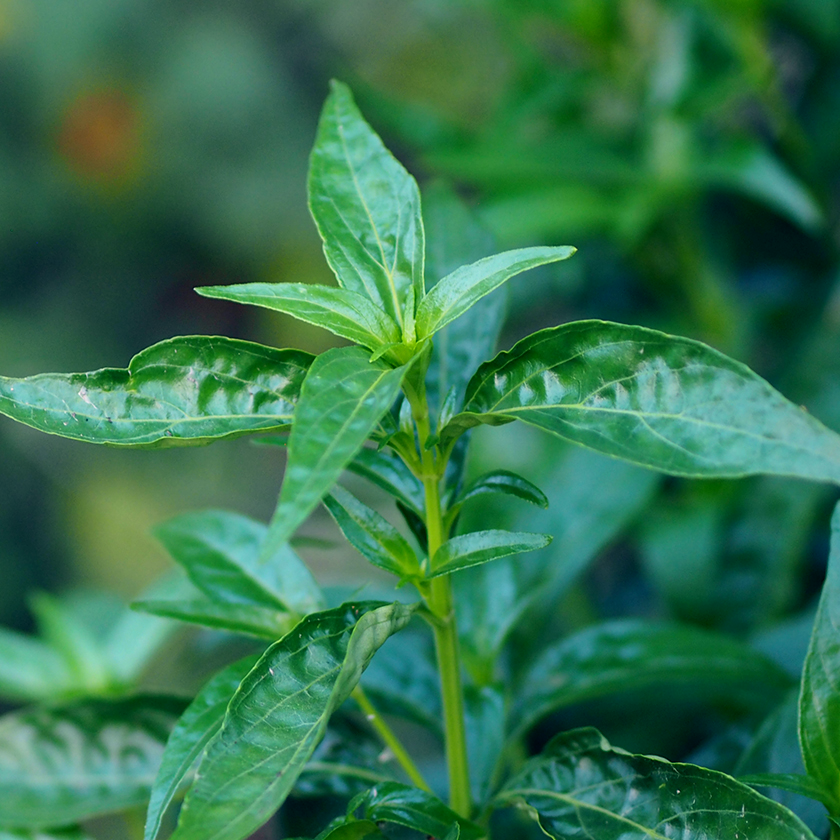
{"x":581,"y":787}
{"x":31,"y":669}
{"x":482,"y":546}
{"x":277,"y":717}
{"x":181,"y":391}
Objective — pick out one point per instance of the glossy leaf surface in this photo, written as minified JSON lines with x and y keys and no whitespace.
{"x":220,"y":552}
{"x":371,"y":534}
{"x":390,"y":473}
{"x":667,"y":403}
{"x":367,"y":209}
{"x":277,"y":717}
{"x":506,"y":482}
{"x":819,"y":701}
{"x":454,"y":294}
{"x":581,"y":787}
{"x":341,"y":401}
{"x":62,"y":764}
{"x":182,"y":391}
{"x":482,"y":546}
{"x":190,"y":735}
{"x":625,"y":654}
{"x":341,"y":311}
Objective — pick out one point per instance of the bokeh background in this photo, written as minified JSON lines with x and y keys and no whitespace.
{"x":690,"y":149}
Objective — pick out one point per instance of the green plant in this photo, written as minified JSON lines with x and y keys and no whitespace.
{"x":396,"y":408}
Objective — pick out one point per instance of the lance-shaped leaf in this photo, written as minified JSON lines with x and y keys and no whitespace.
{"x":485,"y":719}
{"x":341,"y":401}
{"x":391,"y":474}
{"x":277,"y":717}
{"x":581,"y":787}
{"x":367,"y":209}
{"x":372,"y":534}
{"x":454,"y":294}
{"x":663,"y":402}
{"x":220,"y":552}
{"x":482,"y":546}
{"x":190,"y":735}
{"x":62,"y":764}
{"x":341,"y":311}
{"x":628,"y":654}
{"x":506,"y":482}
{"x":182,"y":391}
{"x":819,"y":703}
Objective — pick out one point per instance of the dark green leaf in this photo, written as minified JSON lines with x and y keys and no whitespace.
{"x":391,"y":474}
{"x":482,"y":546}
{"x":371,"y":534}
{"x":506,"y":482}
{"x":351,"y":830}
{"x":68,"y":763}
{"x":663,"y":402}
{"x":454,"y":294}
{"x":485,"y":722}
{"x":791,"y":783}
{"x":341,"y":311}
{"x":190,"y":735}
{"x":367,"y":209}
{"x":31,"y":669}
{"x":341,"y":401}
{"x":819,"y":700}
{"x":278,"y":716}
{"x":182,"y":391}
{"x":220,"y":552}
{"x":581,"y":787}
{"x":625,"y":654}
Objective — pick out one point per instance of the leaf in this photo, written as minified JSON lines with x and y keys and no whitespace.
{"x":183,"y":391}
{"x":371,"y":534}
{"x":341,"y":401}
{"x":412,"y":808}
{"x":367,"y":210}
{"x":453,"y":295}
{"x":507,"y":483}
{"x":485,"y":721}
{"x":341,"y":311}
{"x":819,"y":702}
{"x":582,"y":787}
{"x":791,"y":783}
{"x":390,"y":473}
{"x":31,"y":669}
{"x":667,"y":403}
{"x":277,"y":717}
{"x":220,"y":551}
{"x":60,"y":834}
{"x":199,"y":723}
{"x":622,"y":655}
{"x":66,"y":763}
{"x":482,"y":546}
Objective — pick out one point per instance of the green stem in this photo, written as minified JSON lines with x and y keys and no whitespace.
{"x":389,"y":739}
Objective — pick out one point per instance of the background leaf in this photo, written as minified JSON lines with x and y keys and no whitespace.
{"x":181,"y":391}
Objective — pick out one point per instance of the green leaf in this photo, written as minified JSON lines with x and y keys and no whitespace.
{"x":626,"y":654}
{"x":583,"y":787}
{"x":351,"y":830}
{"x":391,"y":474}
{"x":506,"y":482}
{"x":277,"y":717}
{"x":190,"y":735}
{"x":485,"y":722}
{"x":482,"y":546}
{"x":341,"y":401}
{"x":819,"y":701}
{"x":31,"y":669}
{"x":341,"y":311}
{"x":663,"y":402}
{"x":66,"y":763}
{"x":454,"y":294}
{"x":372,"y":534}
{"x":60,"y":834}
{"x":220,"y":551}
{"x":182,"y":391}
{"x":367,"y":210}
{"x":791,"y":783}
{"x":411,"y":808}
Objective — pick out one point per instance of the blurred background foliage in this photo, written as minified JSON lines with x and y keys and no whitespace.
{"x":690,"y":149}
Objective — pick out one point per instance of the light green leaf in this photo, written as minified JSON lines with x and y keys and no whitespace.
{"x":31,"y":669}
{"x":663,"y":402}
{"x":341,"y":401}
{"x":220,"y":552}
{"x":62,"y":764}
{"x":583,"y":787}
{"x":367,"y":209}
{"x":277,"y":717}
{"x":182,"y":391}
{"x":482,"y":546}
{"x":819,"y":701}
{"x":60,"y":834}
{"x":626,"y":654}
{"x":341,"y":311}
{"x":454,"y":294}
{"x":190,"y":735}
{"x":371,"y":534}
